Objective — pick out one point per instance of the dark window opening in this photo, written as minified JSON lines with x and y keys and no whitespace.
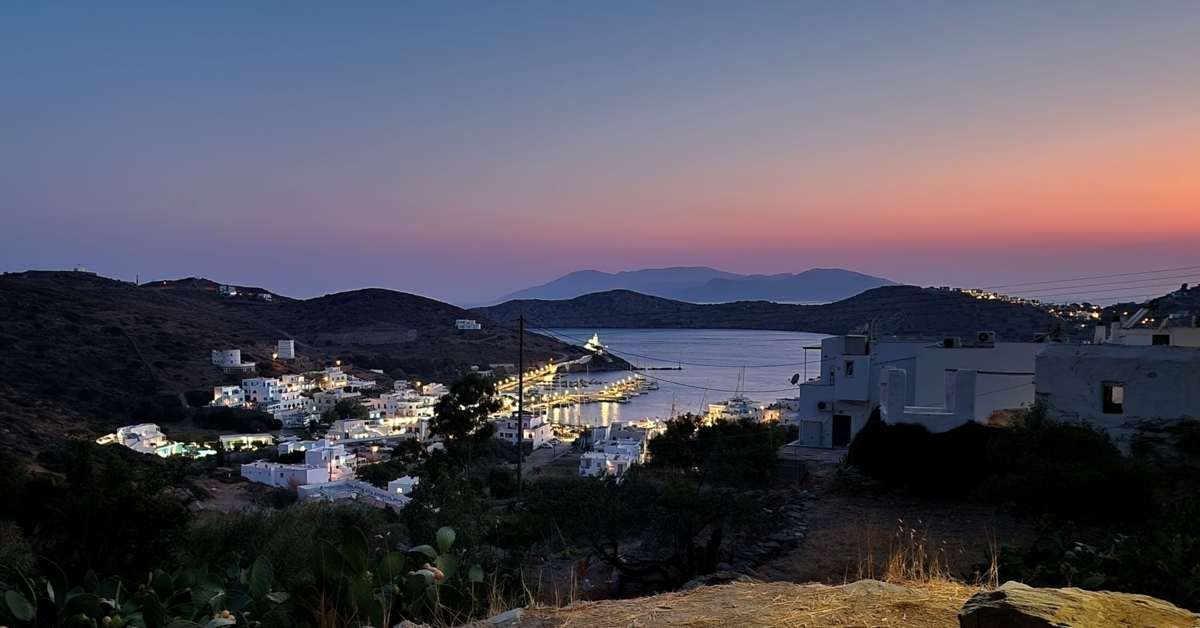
{"x":849,"y":368}
{"x":1114,"y":398}
{"x":1160,"y":340}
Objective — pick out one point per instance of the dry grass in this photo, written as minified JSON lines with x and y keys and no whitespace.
{"x":852,"y":537}
{"x":921,"y":591}
{"x":935,"y":604}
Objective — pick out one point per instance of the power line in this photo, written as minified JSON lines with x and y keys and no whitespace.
{"x":1144,"y":272}
{"x":1111,"y":283}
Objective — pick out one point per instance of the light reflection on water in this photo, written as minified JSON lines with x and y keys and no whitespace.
{"x":770,"y":358}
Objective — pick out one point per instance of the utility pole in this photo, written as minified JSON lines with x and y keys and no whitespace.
{"x":520,"y":403}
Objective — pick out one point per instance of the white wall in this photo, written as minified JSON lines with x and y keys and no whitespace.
{"x":1160,"y":382}
{"x":993,"y":391}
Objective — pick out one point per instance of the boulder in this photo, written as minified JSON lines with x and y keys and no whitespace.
{"x":875,"y":587}
{"x":1016,"y":605}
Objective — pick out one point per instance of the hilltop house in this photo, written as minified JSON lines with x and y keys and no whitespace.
{"x":1119,"y":387}
{"x":834,"y":406}
{"x":230,"y":361}
{"x":466,"y":324}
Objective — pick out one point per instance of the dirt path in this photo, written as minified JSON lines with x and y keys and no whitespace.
{"x":850,"y":537}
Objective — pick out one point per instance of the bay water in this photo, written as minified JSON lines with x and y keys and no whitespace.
{"x":713,"y":363}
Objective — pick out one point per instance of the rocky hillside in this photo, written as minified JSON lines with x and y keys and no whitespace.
{"x":895,"y":310}
{"x":84,"y":353}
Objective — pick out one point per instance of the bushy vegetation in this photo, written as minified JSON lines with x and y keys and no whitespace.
{"x":109,"y":533}
{"x":1038,"y":466}
{"x":1106,"y":521}
{"x":1162,"y":561}
{"x":236,"y":420}
{"x":729,"y":452}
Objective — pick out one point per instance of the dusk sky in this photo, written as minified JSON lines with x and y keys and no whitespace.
{"x":466,"y":150}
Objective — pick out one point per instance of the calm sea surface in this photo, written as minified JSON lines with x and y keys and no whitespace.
{"x":712,"y":362}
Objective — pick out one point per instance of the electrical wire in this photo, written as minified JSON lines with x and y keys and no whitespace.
{"x":1144,"y":272}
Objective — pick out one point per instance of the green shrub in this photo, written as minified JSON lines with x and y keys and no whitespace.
{"x":1068,"y":469}
{"x":907,"y":455}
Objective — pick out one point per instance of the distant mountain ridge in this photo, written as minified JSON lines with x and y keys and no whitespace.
{"x":701,"y":284}
{"x":905,"y":311}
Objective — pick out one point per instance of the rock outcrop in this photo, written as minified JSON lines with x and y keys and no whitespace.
{"x":1016,"y":605}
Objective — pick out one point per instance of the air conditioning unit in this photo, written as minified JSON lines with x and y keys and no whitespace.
{"x":952,"y":343}
{"x":985,"y":338}
{"x":824,"y":406}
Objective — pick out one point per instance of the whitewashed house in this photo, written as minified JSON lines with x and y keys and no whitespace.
{"x":834,"y":406}
{"x":228,"y":396}
{"x":464,"y":324}
{"x":246,"y":441}
{"x":230,"y":361}
{"x":403,"y":485}
{"x":327,"y":400}
{"x":957,"y":408}
{"x":536,"y":430}
{"x":145,"y":438}
{"x":1119,"y":387}
{"x":323,"y":462}
{"x":285,"y":350}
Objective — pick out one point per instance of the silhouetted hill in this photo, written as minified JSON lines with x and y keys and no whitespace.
{"x":706,"y":285}
{"x":83,"y":353}
{"x":895,"y":310}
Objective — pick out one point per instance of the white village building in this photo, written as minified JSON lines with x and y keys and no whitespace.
{"x":1120,"y":387}
{"x":230,"y":361}
{"x":833,"y":407}
{"x":323,"y":462}
{"x":466,"y":324}
{"x":228,"y":396}
{"x":536,"y":430}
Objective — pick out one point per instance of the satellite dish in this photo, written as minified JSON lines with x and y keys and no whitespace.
{"x":795,"y":378}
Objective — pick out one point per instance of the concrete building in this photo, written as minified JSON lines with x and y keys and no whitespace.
{"x":1119,"y":387}
{"x":466,"y":324}
{"x":833,"y":407}
{"x":285,"y":350}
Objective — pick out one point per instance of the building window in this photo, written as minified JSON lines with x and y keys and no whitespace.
{"x":849,"y":368}
{"x":1114,"y":398}
{"x":1160,"y":340}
